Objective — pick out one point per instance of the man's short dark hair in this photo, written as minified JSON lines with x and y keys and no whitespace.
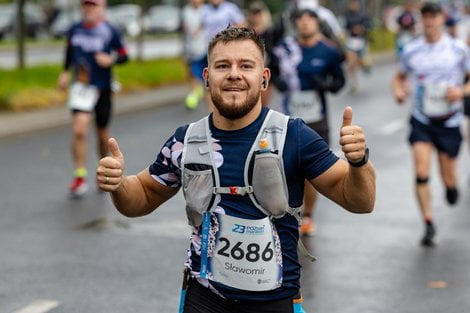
{"x":300,"y":12}
{"x":431,"y":8}
{"x":236,"y":34}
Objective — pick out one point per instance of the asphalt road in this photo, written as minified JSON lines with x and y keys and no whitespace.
{"x":82,"y":256}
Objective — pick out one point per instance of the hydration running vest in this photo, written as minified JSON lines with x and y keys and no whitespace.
{"x":264,"y":175}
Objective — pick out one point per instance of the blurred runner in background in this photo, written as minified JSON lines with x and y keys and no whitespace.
{"x":438,"y":64}
{"x":305,"y":69}
{"x":358,"y":25}
{"x":260,"y":20}
{"x":93,"y":47}
{"x":463,"y":33}
{"x":406,"y":26}
{"x":195,"y":49}
{"x":216,"y":16}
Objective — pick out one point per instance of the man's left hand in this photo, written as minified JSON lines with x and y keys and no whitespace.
{"x":104,"y":59}
{"x":352,"y":139}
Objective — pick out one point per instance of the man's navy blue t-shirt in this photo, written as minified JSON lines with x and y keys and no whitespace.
{"x":306,"y":155}
{"x":85,"y":42}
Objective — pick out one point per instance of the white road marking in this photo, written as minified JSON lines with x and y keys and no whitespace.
{"x":393,"y":127}
{"x":39,"y":306}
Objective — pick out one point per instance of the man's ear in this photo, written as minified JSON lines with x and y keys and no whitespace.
{"x":205,"y":76}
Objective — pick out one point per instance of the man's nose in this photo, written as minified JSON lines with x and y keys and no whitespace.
{"x":234,"y":73}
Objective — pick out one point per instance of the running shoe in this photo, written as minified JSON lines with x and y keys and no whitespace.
{"x":192,"y":101}
{"x":78,"y":187}
{"x":308,"y":227}
{"x":194,"y":97}
{"x":452,"y":195}
{"x":428,"y":239}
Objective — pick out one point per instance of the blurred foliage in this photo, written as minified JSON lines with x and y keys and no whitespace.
{"x":19,"y":82}
{"x":148,"y":74}
{"x":35,"y":87}
{"x":381,"y":40}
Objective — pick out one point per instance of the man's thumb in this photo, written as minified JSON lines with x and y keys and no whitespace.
{"x":114,"y":148}
{"x":347,"y":116}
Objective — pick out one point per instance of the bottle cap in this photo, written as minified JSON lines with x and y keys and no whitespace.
{"x":263,"y":143}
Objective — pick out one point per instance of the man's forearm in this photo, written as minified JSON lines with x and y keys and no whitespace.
{"x":130,"y":198}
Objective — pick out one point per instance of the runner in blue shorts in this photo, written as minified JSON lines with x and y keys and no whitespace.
{"x":195,"y":46}
{"x":438,"y":64}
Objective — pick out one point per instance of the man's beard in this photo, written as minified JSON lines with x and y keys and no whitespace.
{"x":233,"y":111}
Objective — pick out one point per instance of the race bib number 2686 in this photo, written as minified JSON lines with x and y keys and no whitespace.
{"x":246,"y":254}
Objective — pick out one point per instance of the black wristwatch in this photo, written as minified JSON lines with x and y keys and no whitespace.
{"x":363,"y":161}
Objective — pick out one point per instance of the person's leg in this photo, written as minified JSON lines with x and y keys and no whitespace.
{"x":448,"y":142}
{"x":197,"y":92}
{"x":352,"y":66}
{"x":364,"y":59}
{"x":422,"y":158}
{"x":308,"y":227}
{"x":448,"y":170}
{"x":79,"y":149}
{"x":103,"y":136}
{"x":81,"y":121}
{"x":103,"y":118}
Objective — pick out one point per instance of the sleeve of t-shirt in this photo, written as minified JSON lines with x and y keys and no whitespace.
{"x":167,"y":167}
{"x":315,"y":156}
{"x":117,"y":43}
{"x":68,"y":60}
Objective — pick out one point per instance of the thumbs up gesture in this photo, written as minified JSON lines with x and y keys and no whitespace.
{"x":352,"y":139}
{"x":111,"y":168}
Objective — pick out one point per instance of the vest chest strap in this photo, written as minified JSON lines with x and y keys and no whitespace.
{"x":233,"y":190}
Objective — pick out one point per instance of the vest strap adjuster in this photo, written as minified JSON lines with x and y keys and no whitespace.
{"x":233,"y":190}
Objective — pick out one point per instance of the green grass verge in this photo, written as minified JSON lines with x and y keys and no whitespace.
{"x":35,"y":87}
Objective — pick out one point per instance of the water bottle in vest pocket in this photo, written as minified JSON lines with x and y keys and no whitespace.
{"x":198,"y":191}
{"x":268,"y":184}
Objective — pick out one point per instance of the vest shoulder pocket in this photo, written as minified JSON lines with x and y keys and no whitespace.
{"x":268,"y":184}
{"x":198,"y":188}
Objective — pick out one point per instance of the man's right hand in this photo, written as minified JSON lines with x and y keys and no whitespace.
{"x":111,"y":168}
{"x":63,"y":81}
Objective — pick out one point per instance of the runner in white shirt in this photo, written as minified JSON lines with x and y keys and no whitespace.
{"x":324,"y":14}
{"x":438,"y":64}
{"x":218,"y":14}
{"x":463,"y":33}
{"x":195,"y":48}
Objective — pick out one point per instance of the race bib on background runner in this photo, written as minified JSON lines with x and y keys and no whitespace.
{"x":355,"y":43}
{"x":240,"y":253}
{"x":306,"y":105}
{"x":433,"y":100}
{"x":82,"y":97}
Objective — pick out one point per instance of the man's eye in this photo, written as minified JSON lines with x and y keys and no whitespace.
{"x":247,"y":66}
{"x":221,"y":66}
